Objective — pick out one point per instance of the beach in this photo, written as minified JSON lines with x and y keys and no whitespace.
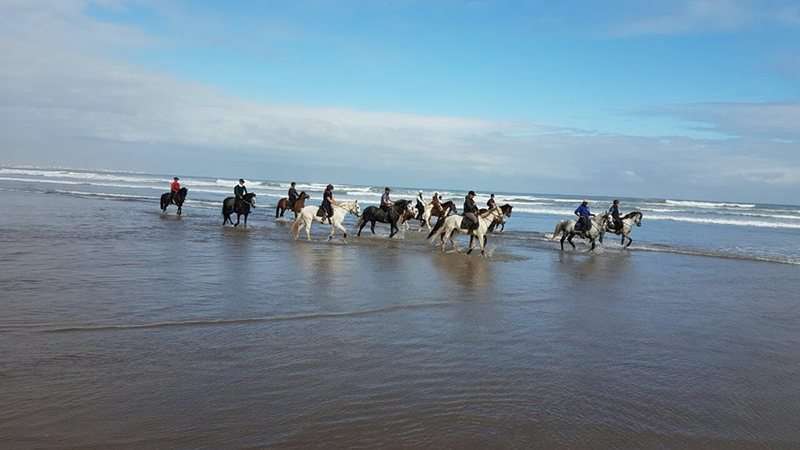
{"x":127,"y":328}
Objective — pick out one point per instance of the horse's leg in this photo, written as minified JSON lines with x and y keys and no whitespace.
{"x":622,"y":240}
{"x":563,"y":238}
{"x":630,"y":241}
{"x":245,"y":219}
{"x":392,"y":229}
{"x":471,"y":238}
{"x":484,"y":239}
{"x":238,"y":218}
{"x":569,"y":239}
{"x":308,"y":229}
{"x":452,"y":241}
{"x":593,"y":244}
{"x":342,"y":228}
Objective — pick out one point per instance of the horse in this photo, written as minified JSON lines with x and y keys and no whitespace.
{"x":502,"y":223}
{"x":229,"y":206}
{"x":308,"y":215}
{"x":628,"y":221}
{"x":283,"y":205}
{"x":431,"y":211}
{"x":566,"y":228}
{"x":178,"y":199}
{"x":374,"y":214}
{"x":452,"y":224}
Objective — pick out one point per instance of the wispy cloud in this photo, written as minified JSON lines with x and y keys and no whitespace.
{"x":705,"y":16}
{"x":63,"y":95}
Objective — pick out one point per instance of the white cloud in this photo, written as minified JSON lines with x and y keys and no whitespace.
{"x":705,"y":16}
{"x":63,"y":94}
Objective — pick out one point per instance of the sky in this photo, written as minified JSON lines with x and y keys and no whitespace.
{"x":694,"y":99}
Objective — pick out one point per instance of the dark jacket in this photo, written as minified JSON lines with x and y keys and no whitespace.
{"x":239,"y":192}
{"x":470,"y":206}
{"x":293,"y":195}
{"x":614,"y":211}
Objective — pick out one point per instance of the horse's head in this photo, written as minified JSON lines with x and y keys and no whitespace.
{"x":304,"y":196}
{"x":354,"y":208}
{"x":637,"y":218}
{"x":250,"y":197}
{"x":506,"y":209}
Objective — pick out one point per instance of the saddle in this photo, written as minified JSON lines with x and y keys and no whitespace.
{"x":467,"y":224}
{"x":321,"y":212}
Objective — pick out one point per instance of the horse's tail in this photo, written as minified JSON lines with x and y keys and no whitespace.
{"x":559,"y":229}
{"x":436,"y":227}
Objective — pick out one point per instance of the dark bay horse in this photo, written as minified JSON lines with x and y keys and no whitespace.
{"x":283,"y":205}
{"x":229,"y":206}
{"x":167,"y":199}
{"x":374,"y":214}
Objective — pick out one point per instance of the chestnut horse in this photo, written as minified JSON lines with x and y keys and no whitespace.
{"x":283,"y":205}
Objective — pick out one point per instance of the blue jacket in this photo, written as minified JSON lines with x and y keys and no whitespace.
{"x":583,"y":211}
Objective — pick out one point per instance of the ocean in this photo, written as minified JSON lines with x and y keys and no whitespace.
{"x":126,"y":328}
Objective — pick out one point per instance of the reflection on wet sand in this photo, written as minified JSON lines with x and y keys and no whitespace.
{"x":465,"y":271}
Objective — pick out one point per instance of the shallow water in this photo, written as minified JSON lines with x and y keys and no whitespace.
{"x":124,"y":328}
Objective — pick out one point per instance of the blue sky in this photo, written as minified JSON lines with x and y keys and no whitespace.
{"x":698,"y":99}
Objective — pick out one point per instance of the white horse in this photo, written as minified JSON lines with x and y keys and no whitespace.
{"x":628,"y":221}
{"x":566,"y":229}
{"x":308,"y":215}
{"x":452,"y":224}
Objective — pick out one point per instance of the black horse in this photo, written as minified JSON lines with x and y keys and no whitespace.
{"x":374,"y":214}
{"x":229,"y":206}
{"x":177,"y":200}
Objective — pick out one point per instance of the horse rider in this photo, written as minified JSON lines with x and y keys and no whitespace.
{"x":584,"y":216}
{"x":386,"y":201}
{"x":420,"y":205}
{"x":293,"y":195}
{"x":491,"y":204}
{"x":174,"y":188}
{"x":239,"y":191}
{"x":471,"y":210}
{"x":327,"y":203}
{"x":617,"y":221}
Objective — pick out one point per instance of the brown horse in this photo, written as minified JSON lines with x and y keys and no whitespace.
{"x":439,"y":211}
{"x":283,"y":205}
{"x":506,"y":213}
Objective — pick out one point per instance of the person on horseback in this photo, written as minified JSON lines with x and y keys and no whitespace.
{"x":386,"y":201}
{"x":471,"y":211}
{"x":436,"y":201}
{"x":239,"y":191}
{"x":584,"y":217}
{"x":174,"y":188}
{"x":614,"y":212}
{"x":491,"y":204}
{"x":327,"y":203}
{"x":293,"y":195}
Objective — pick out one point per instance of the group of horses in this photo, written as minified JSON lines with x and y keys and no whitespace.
{"x":448,"y":222}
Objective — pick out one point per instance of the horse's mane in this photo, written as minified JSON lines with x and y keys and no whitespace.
{"x":631,"y":214}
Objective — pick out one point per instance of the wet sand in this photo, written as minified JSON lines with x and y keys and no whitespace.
{"x":123,"y":328}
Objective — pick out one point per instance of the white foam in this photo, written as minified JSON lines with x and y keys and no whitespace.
{"x":718,"y":221}
{"x":695,"y":204}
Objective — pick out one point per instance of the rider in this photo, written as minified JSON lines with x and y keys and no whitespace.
{"x":174,"y":188}
{"x":327,"y":203}
{"x":614,"y":211}
{"x":293,"y":195}
{"x":420,"y":205}
{"x":491,"y":204}
{"x":471,"y":210}
{"x":239,"y":191}
{"x":386,"y":201}
{"x":584,"y":216}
